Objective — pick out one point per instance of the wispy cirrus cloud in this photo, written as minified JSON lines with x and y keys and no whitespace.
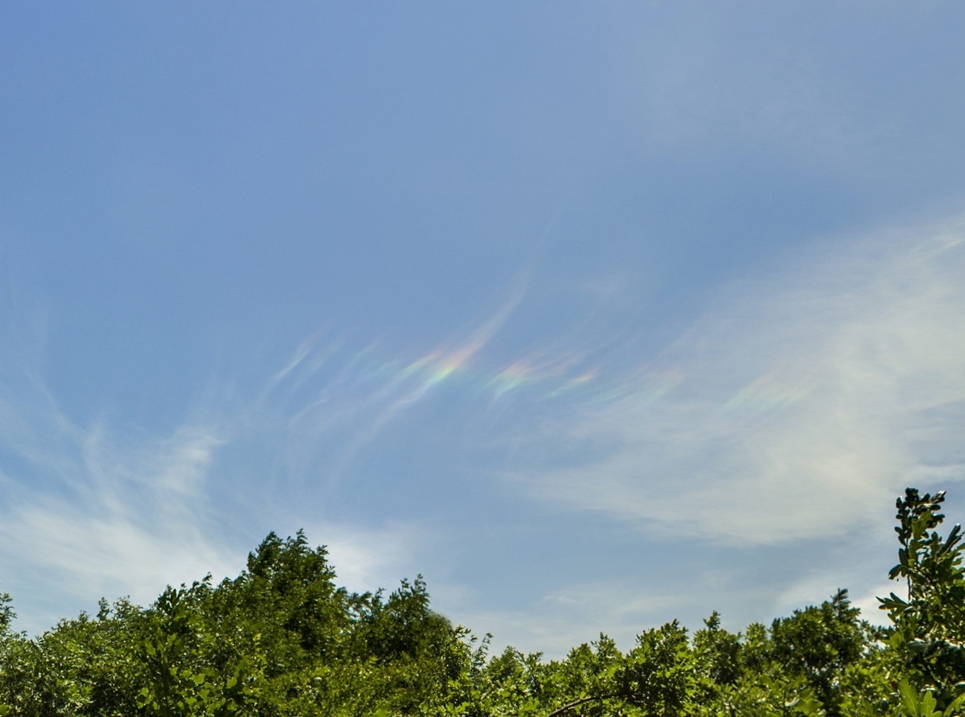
{"x":92,"y":511}
{"x":806,"y":400}
{"x":89,"y":512}
{"x":794,"y":408}
{"x":98,"y":508}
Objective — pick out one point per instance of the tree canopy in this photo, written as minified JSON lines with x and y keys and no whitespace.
{"x":282,"y":639}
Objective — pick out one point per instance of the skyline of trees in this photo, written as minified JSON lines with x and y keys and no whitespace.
{"x":283,"y":639}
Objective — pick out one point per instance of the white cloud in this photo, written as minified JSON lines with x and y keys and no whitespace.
{"x":807,"y":400}
{"x":369,"y":559}
{"x":109,"y":556}
{"x":91,"y":511}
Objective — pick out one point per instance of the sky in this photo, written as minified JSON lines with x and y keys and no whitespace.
{"x":596,"y":315}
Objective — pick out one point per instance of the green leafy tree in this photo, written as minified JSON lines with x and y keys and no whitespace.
{"x":718,"y":652}
{"x":659,"y":674}
{"x":819,"y":644}
{"x":424,"y":654}
{"x":97,"y":659}
{"x":586,"y":681}
{"x":181,"y":682}
{"x":283,"y":640}
{"x":275,"y":627}
{"x":7,"y":616}
{"x":77,"y":668}
{"x":929,"y":626}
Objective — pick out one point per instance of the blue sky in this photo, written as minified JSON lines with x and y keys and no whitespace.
{"x":595,"y":314}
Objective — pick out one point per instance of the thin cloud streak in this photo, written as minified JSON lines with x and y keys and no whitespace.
{"x":370,"y":392}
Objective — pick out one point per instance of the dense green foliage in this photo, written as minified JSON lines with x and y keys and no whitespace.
{"x":283,"y":640}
